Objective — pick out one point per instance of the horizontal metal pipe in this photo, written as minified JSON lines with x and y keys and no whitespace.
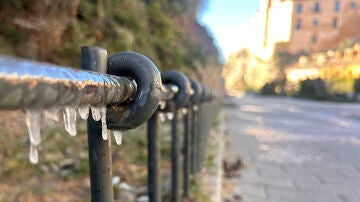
{"x":29,"y":84}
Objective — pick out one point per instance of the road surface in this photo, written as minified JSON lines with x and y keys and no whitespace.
{"x":294,"y":150}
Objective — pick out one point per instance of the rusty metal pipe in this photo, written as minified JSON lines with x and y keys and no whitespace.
{"x":29,"y":84}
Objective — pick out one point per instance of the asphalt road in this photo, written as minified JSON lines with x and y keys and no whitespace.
{"x":294,"y":150}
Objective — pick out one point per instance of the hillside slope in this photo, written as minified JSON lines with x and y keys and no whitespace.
{"x":166,"y":31}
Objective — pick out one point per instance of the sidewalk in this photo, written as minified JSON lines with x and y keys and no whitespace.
{"x":293,"y":151}
{"x":211,"y":176}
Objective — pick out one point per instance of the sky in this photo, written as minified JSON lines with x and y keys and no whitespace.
{"x":224,"y":19}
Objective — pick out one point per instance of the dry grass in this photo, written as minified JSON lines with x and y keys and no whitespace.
{"x":62,"y":173}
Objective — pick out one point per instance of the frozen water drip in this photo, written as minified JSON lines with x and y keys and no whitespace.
{"x":118,"y":136}
{"x":33,"y":154}
{"x":162,"y":117}
{"x":84,"y":111}
{"x":162,"y":104}
{"x":170,"y":115}
{"x":96,"y":113}
{"x":33,"y":118}
{"x":33,"y":125}
{"x":69,"y":114}
{"x":103,"y":123}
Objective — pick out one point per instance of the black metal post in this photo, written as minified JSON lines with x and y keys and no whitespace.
{"x":193,"y":141}
{"x":200,"y":122}
{"x":186,"y":143}
{"x":175,"y":196}
{"x":205,"y":128}
{"x":100,"y":163}
{"x":153,"y":158}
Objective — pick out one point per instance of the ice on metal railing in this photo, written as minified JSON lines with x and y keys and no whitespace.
{"x":103,"y":123}
{"x":118,"y":136}
{"x":29,"y":84}
{"x":184,"y":110}
{"x":33,"y":154}
{"x":170,"y":115}
{"x":69,"y":115}
{"x":162,"y":117}
{"x":96,"y":113}
{"x":33,"y":125}
{"x":195,"y":108}
{"x":162,"y":104}
{"x":84,"y":111}
{"x":42,"y":87}
{"x":33,"y":121}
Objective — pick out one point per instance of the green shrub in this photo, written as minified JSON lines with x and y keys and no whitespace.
{"x":268,"y":89}
{"x":273,"y":88}
{"x":313,"y":88}
{"x":356,"y":86}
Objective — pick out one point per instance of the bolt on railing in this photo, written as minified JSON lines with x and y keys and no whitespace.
{"x":117,"y":93}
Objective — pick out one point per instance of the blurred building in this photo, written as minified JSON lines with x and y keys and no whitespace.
{"x":312,"y":28}
{"x":307,"y":26}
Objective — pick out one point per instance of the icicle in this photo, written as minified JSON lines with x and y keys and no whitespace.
{"x":96,"y":113}
{"x":170,"y":115}
{"x":162,"y":117}
{"x":33,"y":154}
{"x":103,"y":123}
{"x":84,"y":111}
{"x":33,"y":125}
{"x":184,"y":111}
{"x":116,"y":180}
{"x":118,"y":136}
{"x":162,"y":104}
{"x":69,"y":115}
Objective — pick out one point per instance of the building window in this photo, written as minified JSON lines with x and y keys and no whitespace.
{"x":352,"y":5}
{"x":315,"y":22}
{"x":298,"y":25}
{"x":316,"y":7}
{"x":334,"y":22}
{"x":337,"y":6}
{"x":299,"y":8}
{"x":314,"y":39}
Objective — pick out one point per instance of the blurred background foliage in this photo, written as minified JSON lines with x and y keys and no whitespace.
{"x":166,"y":31}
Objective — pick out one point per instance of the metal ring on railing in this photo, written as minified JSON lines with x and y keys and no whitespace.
{"x":147,"y":77}
{"x":203,"y":93}
{"x":207,"y":94}
{"x":196,"y":97}
{"x":182,"y":82}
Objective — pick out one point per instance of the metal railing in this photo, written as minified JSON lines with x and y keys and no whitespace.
{"x":123,"y":92}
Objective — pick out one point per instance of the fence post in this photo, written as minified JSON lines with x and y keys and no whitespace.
{"x":100,"y":163}
{"x":153,"y":158}
{"x":174,"y":159}
{"x":204,"y":117}
{"x":194,"y":134}
{"x":199,"y":132}
{"x":179,"y":101}
{"x":186,"y":164}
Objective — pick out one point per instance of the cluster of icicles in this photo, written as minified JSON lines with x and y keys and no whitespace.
{"x":163,"y":116}
{"x":33,"y":119}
